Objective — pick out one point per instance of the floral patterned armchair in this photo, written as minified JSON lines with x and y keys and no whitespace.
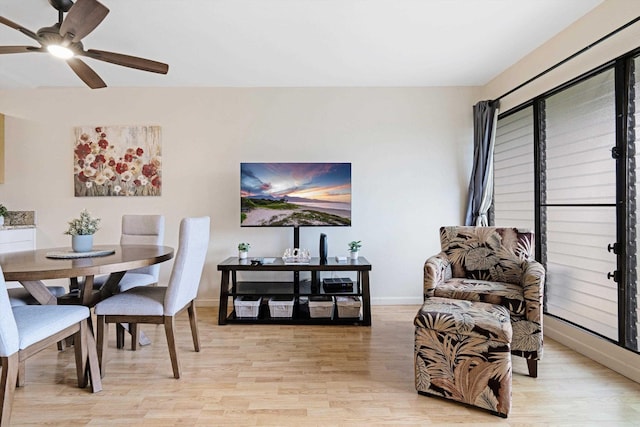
{"x":493,"y":265}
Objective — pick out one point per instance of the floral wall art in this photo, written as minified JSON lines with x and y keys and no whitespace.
{"x":117,"y":161}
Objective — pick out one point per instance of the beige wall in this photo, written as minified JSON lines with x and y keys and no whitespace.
{"x":410,"y":151}
{"x":610,"y":15}
{"x":602,"y":20}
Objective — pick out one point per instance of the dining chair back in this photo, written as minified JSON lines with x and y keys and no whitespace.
{"x":26,"y":330}
{"x":136,"y":230}
{"x":188,"y":264}
{"x":160,"y":304}
{"x":143,"y":230}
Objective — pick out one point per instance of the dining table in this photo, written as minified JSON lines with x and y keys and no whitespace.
{"x":32,"y":267}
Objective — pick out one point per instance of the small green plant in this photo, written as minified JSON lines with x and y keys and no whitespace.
{"x":3,"y":211}
{"x":244,"y":247}
{"x":83,"y":225}
{"x":355,"y":246}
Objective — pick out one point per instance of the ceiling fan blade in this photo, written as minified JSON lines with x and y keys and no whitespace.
{"x":19,"y":27}
{"x":83,"y":17}
{"x":87,"y":75}
{"x":19,"y":49}
{"x":128,"y":61}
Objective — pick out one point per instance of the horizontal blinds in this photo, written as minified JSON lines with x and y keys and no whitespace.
{"x":514,"y":171}
{"x":580,"y":129}
{"x":580,"y":132}
{"x":577,"y":264}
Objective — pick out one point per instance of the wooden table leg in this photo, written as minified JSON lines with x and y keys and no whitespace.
{"x":86,"y":291}
{"x":111,"y":285}
{"x":39,"y":292}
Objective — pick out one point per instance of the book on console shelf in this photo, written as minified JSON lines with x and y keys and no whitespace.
{"x":337,"y":284}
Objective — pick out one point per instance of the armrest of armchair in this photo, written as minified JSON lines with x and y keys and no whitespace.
{"x":533,"y":285}
{"x":437,"y":269}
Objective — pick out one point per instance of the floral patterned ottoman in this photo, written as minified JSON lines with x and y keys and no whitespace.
{"x":462,"y":353}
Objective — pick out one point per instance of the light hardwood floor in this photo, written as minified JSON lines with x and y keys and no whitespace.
{"x":305,"y":376}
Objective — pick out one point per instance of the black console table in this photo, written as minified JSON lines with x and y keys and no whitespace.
{"x":230,"y":288}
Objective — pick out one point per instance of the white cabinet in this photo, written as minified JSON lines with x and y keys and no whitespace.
{"x":17,"y":239}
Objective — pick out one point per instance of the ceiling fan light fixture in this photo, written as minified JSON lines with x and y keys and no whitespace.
{"x":60,"y":51}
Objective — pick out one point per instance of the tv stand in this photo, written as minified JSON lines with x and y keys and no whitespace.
{"x":230,"y":288}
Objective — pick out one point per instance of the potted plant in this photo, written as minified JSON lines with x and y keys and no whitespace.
{"x":82,"y":230}
{"x":354,"y":247}
{"x":3,"y":213}
{"x":243,"y":250}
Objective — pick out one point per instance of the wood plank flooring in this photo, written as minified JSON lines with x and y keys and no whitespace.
{"x":305,"y":376}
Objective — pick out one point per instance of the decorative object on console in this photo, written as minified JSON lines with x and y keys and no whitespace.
{"x":354,"y":247}
{"x":324,"y":247}
{"x":243,"y":250}
{"x":3,"y":213}
{"x":296,"y":256}
{"x":82,"y":230}
{"x":117,"y":161}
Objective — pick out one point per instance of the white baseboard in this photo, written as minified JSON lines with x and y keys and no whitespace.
{"x":623,"y":361}
{"x":397,"y":301}
{"x":207,"y":302}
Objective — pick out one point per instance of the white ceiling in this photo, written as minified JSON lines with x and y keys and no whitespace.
{"x":288,"y":43}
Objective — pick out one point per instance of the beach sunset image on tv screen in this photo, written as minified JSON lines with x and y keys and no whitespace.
{"x":295,"y":194}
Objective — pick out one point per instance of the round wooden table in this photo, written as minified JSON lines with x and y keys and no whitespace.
{"x":30,"y":268}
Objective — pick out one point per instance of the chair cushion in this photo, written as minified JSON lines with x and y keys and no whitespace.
{"x":37,"y":322}
{"x":139,"y":301}
{"x":21,"y":296}
{"x":505,"y":294}
{"x":485,"y":322}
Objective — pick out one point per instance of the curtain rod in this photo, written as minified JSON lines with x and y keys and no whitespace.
{"x":569,"y":58}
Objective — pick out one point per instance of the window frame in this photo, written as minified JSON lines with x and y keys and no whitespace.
{"x":625,"y":143}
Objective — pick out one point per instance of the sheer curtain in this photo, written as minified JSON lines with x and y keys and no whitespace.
{"x":485,"y":114}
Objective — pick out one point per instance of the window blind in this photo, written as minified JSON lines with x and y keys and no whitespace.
{"x":580,"y":198}
{"x":514,"y":171}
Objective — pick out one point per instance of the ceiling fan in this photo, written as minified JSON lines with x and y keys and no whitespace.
{"x":63,"y":39}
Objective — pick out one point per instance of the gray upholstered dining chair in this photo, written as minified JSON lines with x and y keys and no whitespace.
{"x":138,"y":230}
{"x":160,"y":304}
{"x":26,"y":330}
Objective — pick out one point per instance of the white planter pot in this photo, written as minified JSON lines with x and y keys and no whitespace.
{"x":82,"y":242}
{"x":354,"y":255}
{"x":243,"y":255}
{"x":1,"y":220}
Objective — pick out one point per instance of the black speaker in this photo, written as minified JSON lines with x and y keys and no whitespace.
{"x":324,"y":247}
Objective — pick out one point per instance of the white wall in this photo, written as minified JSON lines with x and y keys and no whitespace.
{"x":610,"y":15}
{"x":410,"y":149}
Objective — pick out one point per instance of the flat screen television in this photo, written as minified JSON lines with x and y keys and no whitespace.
{"x":295,"y":194}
